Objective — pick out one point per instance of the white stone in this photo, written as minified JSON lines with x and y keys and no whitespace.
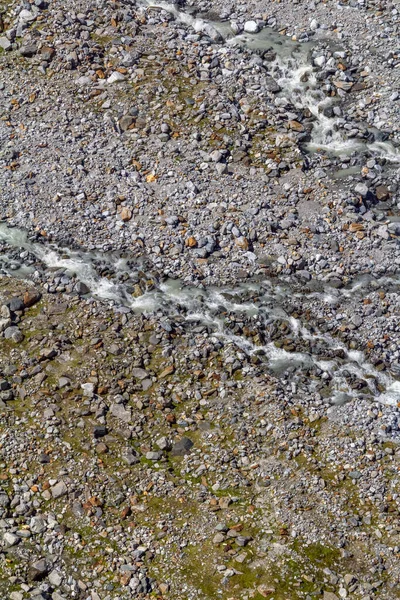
{"x":319,"y":61}
{"x":115,"y":77}
{"x":5,"y":43}
{"x":251,"y":27}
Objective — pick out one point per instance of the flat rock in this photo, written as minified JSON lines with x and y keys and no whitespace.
{"x":182,"y":447}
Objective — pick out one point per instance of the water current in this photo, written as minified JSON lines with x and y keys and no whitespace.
{"x":258,"y":303}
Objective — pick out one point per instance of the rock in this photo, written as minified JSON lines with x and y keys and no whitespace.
{"x":14,"y":334}
{"x":139,"y":373}
{"x":320,"y":61}
{"x":163,"y":443}
{"x":272,"y":85}
{"x":31,"y":297}
{"x":296,"y":126}
{"x":221,"y":168}
{"x":343,"y":85}
{"x":5,"y":312}
{"x":38,"y":570}
{"x":26,"y":16}
{"x":28,"y":50}
{"x":89,"y":389}
{"x":191,"y":242}
{"x":182,"y":447}
{"x":153,"y":455}
{"x":59,"y":489}
{"x":120,"y":412}
{"x":251,"y":27}
{"x":38,"y":524}
{"x":362,"y":189}
{"x":164,"y":588}
{"x":5,"y":43}
{"x":47,"y":53}
{"x":4,"y":324}
{"x":130,"y":457}
{"x":126,"y":214}
{"x":55,"y":578}
{"x":382,"y":193}
{"x":4,"y":499}
{"x":99,"y":431}
{"x":10,"y":539}
{"x":101,"y":448}
{"x":382,"y":231}
{"x":116,"y":77}
{"x":330,"y":596}
{"x":125,"y":122}
{"x":81,"y":288}
{"x":16,"y":304}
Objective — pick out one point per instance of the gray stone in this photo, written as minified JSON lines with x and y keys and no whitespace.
{"x":130,"y":457}
{"x":120,"y":412}
{"x":28,"y":50}
{"x":5,"y":43}
{"x":182,"y":447}
{"x":38,"y":524}
{"x":139,"y":373}
{"x":10,"y":539}
{"x":362,"y":190}
{"x":38,"y":570}
{"x":59,"y":490}
{"x":55,"y":578}
{"x":16,"y":304}
{"x":153,"y":455}
{"x":81,"y":288}
{"x":14,"y":334}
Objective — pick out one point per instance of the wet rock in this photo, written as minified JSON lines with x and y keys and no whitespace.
{"x":81,"y":288}
{"x":251,"y":27}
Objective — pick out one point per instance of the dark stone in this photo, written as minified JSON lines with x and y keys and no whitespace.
{"x":31,"y":297}
{"x":28,"y":51}
{"x":182,"y":447}
{"x":43,"y":459}
{"x":16,"y":304}
{"x":82,"y":288}
{"x":99,"y":431}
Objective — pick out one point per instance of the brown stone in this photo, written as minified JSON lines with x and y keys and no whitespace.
{"x":242,"y":243}
{"x":167,"y":371}
{"x":343,"y":85}
{"x":31,"y":297}
{"x":126,"y":214}
{"x":296,"y":126}
{"x":356,"y":227}
{"x":47,"y":53}
{"x":101,"y":448}
{"x":382,"y":192}
{"x":191,"y":242}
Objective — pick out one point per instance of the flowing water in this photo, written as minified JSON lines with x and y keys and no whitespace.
{"x":297,"y":77}
{"x":259,"y":304}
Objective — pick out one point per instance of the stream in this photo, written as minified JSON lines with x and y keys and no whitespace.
{"x":257,"y":304}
